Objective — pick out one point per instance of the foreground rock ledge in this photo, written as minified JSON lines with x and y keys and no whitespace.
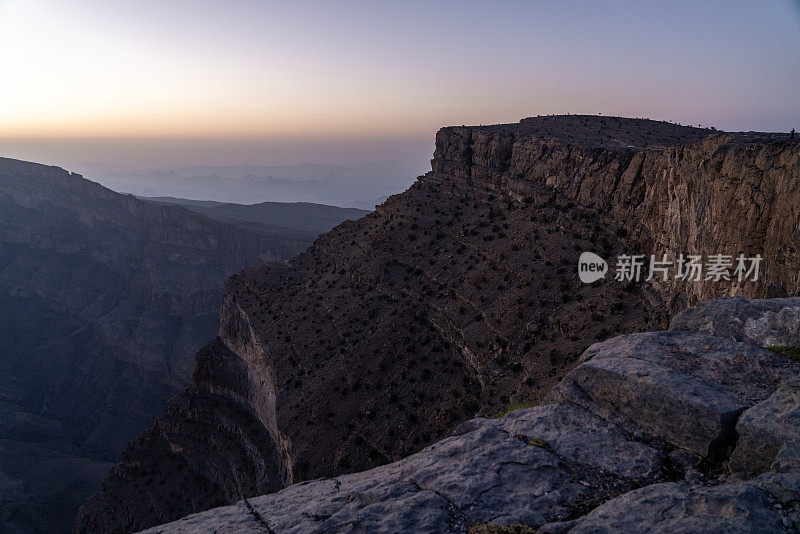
{"x":637,"y":438}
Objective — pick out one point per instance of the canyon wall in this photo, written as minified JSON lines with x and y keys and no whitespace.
{"x":727,"y":194}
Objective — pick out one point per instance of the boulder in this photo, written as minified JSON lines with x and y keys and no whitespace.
{"x":673,"y":508}
{"x":788,"y":458}
{"x":685,"y":388}
{"x":767,"y":427}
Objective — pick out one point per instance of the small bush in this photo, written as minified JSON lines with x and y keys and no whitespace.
{"x":511,"y":407}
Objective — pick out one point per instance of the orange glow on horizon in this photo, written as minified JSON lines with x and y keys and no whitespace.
{"x":213,"y":69}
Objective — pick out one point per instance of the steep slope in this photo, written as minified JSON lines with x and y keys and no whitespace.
{"x":105,"y":299}
{"x":459,"y":296}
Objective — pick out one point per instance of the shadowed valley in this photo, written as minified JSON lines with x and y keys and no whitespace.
{"x":105,"y":300}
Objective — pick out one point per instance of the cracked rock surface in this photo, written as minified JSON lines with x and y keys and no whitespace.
{"x":767,"y":427}
{"x":679,"y":507}
{"x":534,"y":466}
{"x":686,"y":388}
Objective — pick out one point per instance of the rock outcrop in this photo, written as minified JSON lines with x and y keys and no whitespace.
{"x":683,"y":387}
{"x":614,"y":449}
{"x":766,"y":322}
{"x":766,"y":428}
{"x":460,"y":297}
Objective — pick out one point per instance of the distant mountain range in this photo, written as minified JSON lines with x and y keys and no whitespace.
{"x":361,"y":186}
{"x":277,"y":219}
{"x":104,"y":299}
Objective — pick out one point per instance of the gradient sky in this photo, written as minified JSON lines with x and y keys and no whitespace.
{"x":136,"y":84}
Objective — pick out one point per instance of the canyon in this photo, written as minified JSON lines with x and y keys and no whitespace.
{"x":459,"y":298}
{"x":105,"y":300}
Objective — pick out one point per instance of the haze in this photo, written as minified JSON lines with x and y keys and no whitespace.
{"x":100,"y":86}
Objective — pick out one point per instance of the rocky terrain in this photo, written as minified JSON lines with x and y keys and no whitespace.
{"x":695,"y":429}
{"x":454,"y":299}
{"x":105,"y":300}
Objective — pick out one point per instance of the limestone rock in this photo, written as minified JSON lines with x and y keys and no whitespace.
{"x":767,"y":427}
{"x":685,"y":388}
{"x":788,"y":458}
{"x":673,"y":508}
{"x":763,"y":321}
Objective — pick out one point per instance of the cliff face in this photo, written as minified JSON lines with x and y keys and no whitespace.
{"x":459,"y":296}
{"x":105,"y":300}
{"x":723,"y":193}
{"x":211,"y":444}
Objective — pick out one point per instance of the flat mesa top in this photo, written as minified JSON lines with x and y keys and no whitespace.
{"x":618,"y":132}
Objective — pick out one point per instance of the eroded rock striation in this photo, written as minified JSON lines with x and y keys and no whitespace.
{"x":635,"y":439}
{"x":460,"y":297}
{"x":674,"y":189}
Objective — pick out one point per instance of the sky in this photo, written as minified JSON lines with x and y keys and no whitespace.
{"x":99,"y":84}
